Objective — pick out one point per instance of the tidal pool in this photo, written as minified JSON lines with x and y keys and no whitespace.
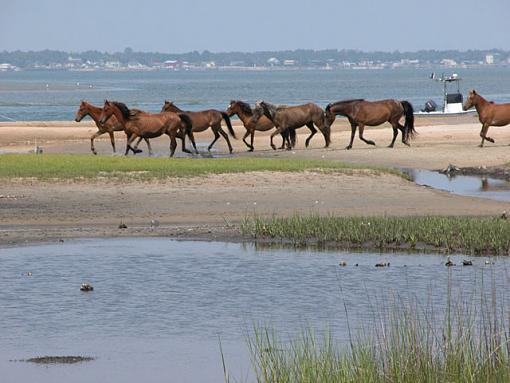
{"x":160,"y":307}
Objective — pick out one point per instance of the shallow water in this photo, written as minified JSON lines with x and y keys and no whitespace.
{"x":24,"y":95}
{"x":471,"y":186}
{"x":159,"y":307}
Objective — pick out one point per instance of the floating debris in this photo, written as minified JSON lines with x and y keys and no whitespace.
{"x":382,"y":264}
{"x":467,"y":262}
{"x":58,"y":359}
{"x":86,"y":287}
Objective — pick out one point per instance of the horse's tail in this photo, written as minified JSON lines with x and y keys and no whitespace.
{"x":410,"y":132}
{"x":186,"y":121}
{"x":229,"y":124}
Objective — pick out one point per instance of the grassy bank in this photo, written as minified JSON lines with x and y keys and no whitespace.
{"x":472,"y":235}
{"x":65,"y":166}
{"x":407,"y":344}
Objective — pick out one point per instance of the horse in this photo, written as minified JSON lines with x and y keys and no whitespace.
{"x":148,"y":125}
{"x":204,"y":120}
{"x":363,"y":113}
{"x":245,"y":114}
{"x":294,"y":117}
{"x":110,"y":126}
{"x":489,"y":113}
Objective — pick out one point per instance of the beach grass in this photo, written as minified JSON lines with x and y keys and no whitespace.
{"x":404,"y":341}
{"x":67,"y":166}
{"x":473,"y":235}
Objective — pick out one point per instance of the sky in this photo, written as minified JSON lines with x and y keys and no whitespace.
{"x":259,"y":25}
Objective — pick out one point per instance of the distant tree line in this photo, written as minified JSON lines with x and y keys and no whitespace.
{"x":302,"y":56}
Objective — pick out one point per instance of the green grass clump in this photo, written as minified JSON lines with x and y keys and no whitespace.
{"x":475,"y":235}
{"x":405,"y":343}
{"x":66,"y":166}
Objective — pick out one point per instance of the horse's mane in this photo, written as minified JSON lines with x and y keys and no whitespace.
{"x":126,"y":113}
{"x":343,"y":102}
{"x":245,"y":107}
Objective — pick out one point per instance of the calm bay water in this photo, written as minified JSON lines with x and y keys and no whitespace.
{"x":159,"y":306}
{"x":24,"y":95}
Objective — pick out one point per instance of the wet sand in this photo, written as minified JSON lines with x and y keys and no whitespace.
{"x":208,"y":207}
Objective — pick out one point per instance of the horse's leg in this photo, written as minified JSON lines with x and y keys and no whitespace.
{"x":216,"y":137}
{"x":248,"y":132}
{"x":405,"y":136}
{"x":173,"y":144}
{"x":148,"y":145}
{"x":94,"y":136}
{"x":252,"y":137}
{"x":112,"y":140}
{"x":192,"y":139}
{"x":225,"y":136}
{"x":130,"y":140}
{"x":353,"y":133}
{"x":135,"y":148}
{"x":285,"y":139}
{"x":277,"y":131}
{"x":483,"y":134}
{"x":313,"y":131}
{"x":361,"y":130}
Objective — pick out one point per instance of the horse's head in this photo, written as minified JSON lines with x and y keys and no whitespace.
{"x":108,"y":110}
{"x":82,"y":111}
{"x":329,"y":116}
{"x":236,"y":107}
{"x":471,"y":100}
{"x":232,"y":108}
{"x":168,"y":107}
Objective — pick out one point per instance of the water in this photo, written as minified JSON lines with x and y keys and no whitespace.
{"x":24,"y":96}
{"x":471,"y":186}
{"x":159,"y":306}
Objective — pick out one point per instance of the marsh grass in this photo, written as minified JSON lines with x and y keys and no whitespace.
{"x":474,"y":235}
{"x":406,"y":343}
{"x":66,"y":166}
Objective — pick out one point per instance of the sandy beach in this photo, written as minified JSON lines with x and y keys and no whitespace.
{"x":207,"y":206}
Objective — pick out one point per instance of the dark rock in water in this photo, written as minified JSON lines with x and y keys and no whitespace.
{"x":122,"y":226}
{"x":59,"y":359}
{"x":467,"y":262}
{"x":86,"y":287}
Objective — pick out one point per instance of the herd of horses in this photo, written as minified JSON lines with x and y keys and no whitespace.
{"x":285,"y":120}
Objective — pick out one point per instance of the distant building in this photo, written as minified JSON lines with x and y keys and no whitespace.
{"x":171,"y":64}
{"x":448,"y":62}
{"x":489,"y":59}
{"x":289,"y":62}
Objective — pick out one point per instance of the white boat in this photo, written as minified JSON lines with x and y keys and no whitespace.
{"x":452,"y":100}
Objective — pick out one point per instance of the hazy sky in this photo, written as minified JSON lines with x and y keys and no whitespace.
{"x":226,"y":25}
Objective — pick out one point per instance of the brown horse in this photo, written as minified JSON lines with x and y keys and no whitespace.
{"x":245,"y":114}
{"x":148,"y":125}
{"x":204,"y":120}
{"x":363,"y":113}
{"x":110,"y":126}
{"x":293,"y":117}
{"x":489,"y":114}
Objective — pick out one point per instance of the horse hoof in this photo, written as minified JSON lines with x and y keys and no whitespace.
{"x":348,"y":147}
{"x":136,"y":151}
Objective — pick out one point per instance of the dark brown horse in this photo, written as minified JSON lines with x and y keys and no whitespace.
{"x":204,"y":120}
{"x":245,"y":114}
{"x":110,"y":126}
{"x":148,"y":125}
{"x":363,"y":113}
{"x":489,"y":114}
{"x":294,"y":117}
